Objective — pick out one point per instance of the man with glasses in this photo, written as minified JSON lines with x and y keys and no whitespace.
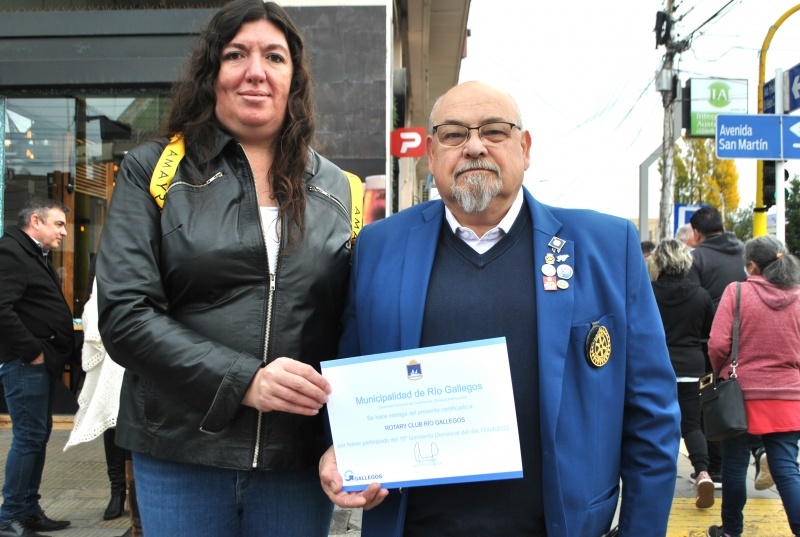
{"x":36,"y":341}
{"x":594,"y":390}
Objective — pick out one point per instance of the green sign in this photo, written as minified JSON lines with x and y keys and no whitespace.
{"x":713,"y":96}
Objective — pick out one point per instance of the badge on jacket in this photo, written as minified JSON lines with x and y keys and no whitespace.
{"x":597,"y":347}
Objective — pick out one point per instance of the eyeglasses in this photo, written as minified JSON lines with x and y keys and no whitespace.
{"x":455,"y":135}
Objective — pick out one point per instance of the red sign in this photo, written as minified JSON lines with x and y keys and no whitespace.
{"x":408,"y":142}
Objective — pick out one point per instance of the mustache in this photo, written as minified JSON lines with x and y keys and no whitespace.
{"x":478,"y":164}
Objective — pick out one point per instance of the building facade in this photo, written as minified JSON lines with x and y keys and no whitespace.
{"x":82,"y":82}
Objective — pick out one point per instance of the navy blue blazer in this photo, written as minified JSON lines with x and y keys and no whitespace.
{"x":599,"y":425}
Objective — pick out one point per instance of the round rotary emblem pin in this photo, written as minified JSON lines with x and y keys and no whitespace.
{"x":598,"y":345}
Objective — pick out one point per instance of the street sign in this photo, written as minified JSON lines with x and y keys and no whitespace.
{"x":792,"y":87}
{"x":683,"y":212}
{"x":769,"y":96}
{"x":749,"y":136}
{"x":791,"y":137}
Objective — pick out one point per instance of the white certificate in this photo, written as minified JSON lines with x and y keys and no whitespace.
{"x":423,"y":417}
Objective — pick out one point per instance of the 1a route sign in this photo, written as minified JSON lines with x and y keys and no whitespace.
{"x":755,"y":136}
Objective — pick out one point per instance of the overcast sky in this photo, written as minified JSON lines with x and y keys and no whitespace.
{"x":582,"y":72}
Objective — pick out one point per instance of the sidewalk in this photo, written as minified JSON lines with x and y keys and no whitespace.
{"x":75,"y":487}
{"x":763,"y":514}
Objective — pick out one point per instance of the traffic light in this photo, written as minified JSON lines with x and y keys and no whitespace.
{"x":768,"y":183}
{"x":663,"y":28}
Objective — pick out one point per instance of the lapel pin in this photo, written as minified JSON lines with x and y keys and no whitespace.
{"x":550,"y":283}
{"x":564,"y":271}
{"x":556,"y":244}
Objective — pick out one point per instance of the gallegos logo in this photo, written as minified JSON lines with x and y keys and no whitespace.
{"x":719,"y":94}
{"x":350,"y":476}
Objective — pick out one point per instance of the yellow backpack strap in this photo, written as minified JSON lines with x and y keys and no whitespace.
{"x":165,"y":169}
{"x":356,"y":205}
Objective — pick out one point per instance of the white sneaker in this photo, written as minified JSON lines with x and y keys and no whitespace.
{"x":705,"y":491}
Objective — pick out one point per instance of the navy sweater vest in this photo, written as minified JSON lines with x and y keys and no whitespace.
{"x":475,"y":296}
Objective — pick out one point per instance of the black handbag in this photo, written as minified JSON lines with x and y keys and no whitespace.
{"x":722,"y":400}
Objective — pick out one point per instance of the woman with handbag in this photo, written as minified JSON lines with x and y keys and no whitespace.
{"x":768,"y":371}
{"x":686,"y":311}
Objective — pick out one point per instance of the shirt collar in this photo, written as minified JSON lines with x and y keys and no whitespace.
{"x":504,"y":226}
{"x":39,"y":244}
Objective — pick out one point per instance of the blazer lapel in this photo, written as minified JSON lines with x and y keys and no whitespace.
{"x":553,"y":313}
{"x":415,"y":276}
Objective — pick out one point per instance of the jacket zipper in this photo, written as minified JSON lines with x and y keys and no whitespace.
{"x":208,"y":182}
{"x":270,"y":296}
{"x":313,"y":188}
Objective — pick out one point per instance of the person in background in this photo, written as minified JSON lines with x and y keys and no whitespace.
{"x":716,"y":262}
{"x":98,"y":408}
{"x":221,"y":306}
{"x":686,"y":236}
{"x":717,"y":258}
{"x":686,"y":313}
{"x":488,"y":260}
{"x":36,"y":341}
{"x":647,"y":248}
{"x":769,"y":374}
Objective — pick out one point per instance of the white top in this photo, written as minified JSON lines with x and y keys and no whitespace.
{"x":271,"y":228}
{"x":99,"y":397}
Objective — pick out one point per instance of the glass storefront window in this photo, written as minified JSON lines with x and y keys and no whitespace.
{"x":68,"y":148}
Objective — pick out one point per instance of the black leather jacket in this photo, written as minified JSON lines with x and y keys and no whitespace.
{"x":186,"y":307}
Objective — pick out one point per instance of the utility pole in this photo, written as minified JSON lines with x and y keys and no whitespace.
{"x":667,"y":85}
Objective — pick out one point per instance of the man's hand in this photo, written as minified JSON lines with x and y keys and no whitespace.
{"x":38,"y":360}
{"x":289,"y":386}
{"x":331,"y":482}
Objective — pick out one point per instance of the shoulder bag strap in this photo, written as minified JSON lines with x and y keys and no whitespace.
{"x":165,"y":169}
{"x":735,"y":339}
{"x":356,"y":203}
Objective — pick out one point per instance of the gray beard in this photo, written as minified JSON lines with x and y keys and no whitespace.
{"x":476,"y":190}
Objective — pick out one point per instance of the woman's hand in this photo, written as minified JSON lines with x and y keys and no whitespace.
{"x":289,"y":386}
{"x":331,"y":482}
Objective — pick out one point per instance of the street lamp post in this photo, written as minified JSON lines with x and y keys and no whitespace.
{"x":760,"y":214}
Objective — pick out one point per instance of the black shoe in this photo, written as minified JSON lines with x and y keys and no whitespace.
{"x":717,"y":531}
{"x":40,"y":522}
{"x":116,"y":505}
{"x":17,"y":529}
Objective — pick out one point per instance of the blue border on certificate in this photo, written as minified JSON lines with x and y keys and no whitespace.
{"x":412,"y":352}
{"x":439,"y":481}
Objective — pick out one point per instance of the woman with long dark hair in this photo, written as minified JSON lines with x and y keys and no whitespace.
{"x":221,"y":304}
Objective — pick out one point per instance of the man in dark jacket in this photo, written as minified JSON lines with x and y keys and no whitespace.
{"x":36,"y":340}
{"x":716,"y":262}
{"x":717,"y":259}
